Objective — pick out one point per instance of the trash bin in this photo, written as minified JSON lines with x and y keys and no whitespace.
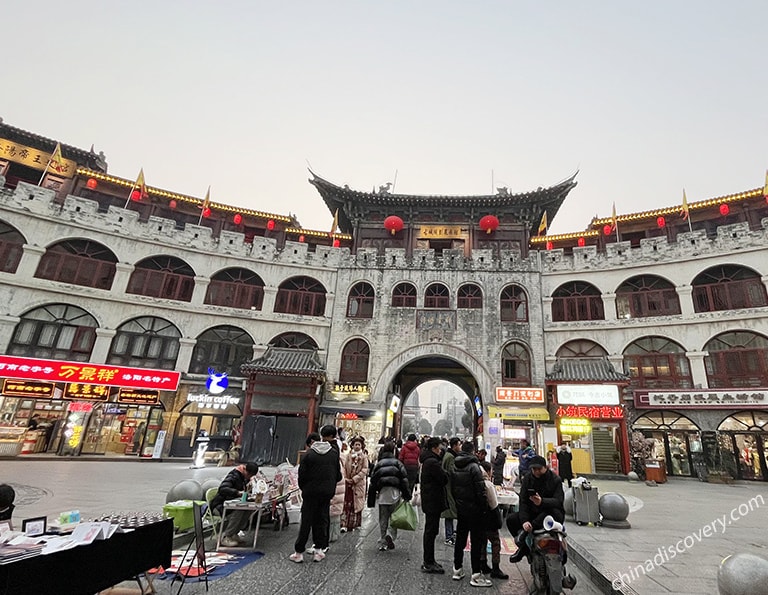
{"x":656,"y":470}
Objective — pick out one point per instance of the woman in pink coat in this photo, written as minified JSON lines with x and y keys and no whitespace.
{"x":356,"y":478}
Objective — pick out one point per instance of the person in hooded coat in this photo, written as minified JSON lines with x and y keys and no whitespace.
{"x":498,"y":466}
{"x":319,"y":472}
{"x":389,"y":484}
{"x":409,"y":456}
{"x":564,"y":463}
{"x":433,"y":501}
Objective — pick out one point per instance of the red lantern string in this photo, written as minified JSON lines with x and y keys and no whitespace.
{"x":607,"y":229}
{"x":393,"y":223}
{"x":724,"y":209}
{"x":206,"y":212}
{"x":301,"y":239}
{"x":92,"y":183}
{"x":172,"y":204}
{"x":271,"y":224}
{"x":581,"y":241}
{"x":238,"y":218}
{"x":549,"y":245}
{"x":336,"y":243}
{"x":489,"y":223}
{"x":135,"y":195}
{"x":661,"y":222}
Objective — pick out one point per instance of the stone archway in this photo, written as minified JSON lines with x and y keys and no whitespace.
{"x":475,"y":370}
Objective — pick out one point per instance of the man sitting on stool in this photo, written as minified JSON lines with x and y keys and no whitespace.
{"x":541,"y":494}
{"x":233,"y":486}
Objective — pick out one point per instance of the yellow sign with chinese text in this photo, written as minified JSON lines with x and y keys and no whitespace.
{"x":34,"y":158}
{"x":440,"y":231}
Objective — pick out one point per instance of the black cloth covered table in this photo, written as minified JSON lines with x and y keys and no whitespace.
{"x":87,"y":569}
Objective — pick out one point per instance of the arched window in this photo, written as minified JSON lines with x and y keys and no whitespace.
{"x":354,"y":362}
{"x":515,"y":365}
{"x":737,"y":359}
{"x":11,"y":248}
{"x":294,"y":340}
{"x":656,"y":362}
{"x":222,"y":348}
{"x":145,"y":342}
{"x":663,"y":420}
{"x":646,"y":295}
{"x":360,"y":301}
{"x":236,"y":288}
{"x":163,"y":277}
{"x":581,"y":348}
{"x":746,"y":421}
{"x":576,"y":301}
{"x":469,"y":296}
{"x":514,"y":304}
{"x":404,"y":296}
{"x":80,"y":262}
{"x":728,"y":287}
{"x":301,"y":295}
{"x":55,"y":331}
{"x":437,"y":296}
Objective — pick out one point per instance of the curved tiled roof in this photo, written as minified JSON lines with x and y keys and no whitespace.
{"x":286,"y":361}
{"x":585,"y":369}
{"x":528,"y":206}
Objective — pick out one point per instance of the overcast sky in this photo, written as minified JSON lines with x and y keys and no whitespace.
{"x":453,"y":97}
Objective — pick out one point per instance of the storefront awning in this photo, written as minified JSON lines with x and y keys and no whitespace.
{"x":523,"y":413}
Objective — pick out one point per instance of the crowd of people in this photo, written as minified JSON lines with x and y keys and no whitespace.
{"x":451,"y":479}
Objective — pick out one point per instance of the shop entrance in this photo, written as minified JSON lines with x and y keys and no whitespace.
{"x":744,"y":436}
{"x":677,"y":440}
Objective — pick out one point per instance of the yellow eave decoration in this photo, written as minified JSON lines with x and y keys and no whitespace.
{"x":590,"y":233}
{"x":182,"y":197}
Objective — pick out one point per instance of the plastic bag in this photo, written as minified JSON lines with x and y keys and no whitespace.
{"x":416,"y":498}
{"x":404,"y":517}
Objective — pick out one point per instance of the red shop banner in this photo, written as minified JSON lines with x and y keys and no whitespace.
{"x":102,"y":374}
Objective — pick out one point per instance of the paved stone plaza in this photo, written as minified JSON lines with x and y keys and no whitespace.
{"x":661,"y":517}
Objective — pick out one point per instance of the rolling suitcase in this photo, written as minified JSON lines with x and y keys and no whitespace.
{"x":585,"y":505}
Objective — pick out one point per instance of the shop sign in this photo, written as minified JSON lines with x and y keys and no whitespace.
{"x":591,"y":412}
{"x":394,"y":404}
{"x":86,"y":392}
{"x":478,"y":406}
{"x":519,"y":395}
{"x":216,"y":383}
{"x":28,"y":388}
{"x":348,"y":416}
{"x":80,"y":407}
{"x":701,"y":399}
{"x":34,"y":158}
{"x":214,"y":401}
{"x":102,"y":374}
{"x":114,"y":409}
{"x":429,"y":320}
{"x":518,"y":413}
{"x":351,"y":389}
{"x":138,"y":396}
{"x":440,"y":231}
{"x":588,"y":394}
{"x":574,"y":425}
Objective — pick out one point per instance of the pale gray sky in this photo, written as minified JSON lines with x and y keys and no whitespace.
{"x":645,"y":98}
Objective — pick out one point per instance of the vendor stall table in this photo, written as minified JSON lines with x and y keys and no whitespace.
{"x":276,"y":505}
{"x":88,"y":569}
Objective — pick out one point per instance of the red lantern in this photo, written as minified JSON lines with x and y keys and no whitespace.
{"x":549,"y":245}
{"x":238,"y":218}
{"x":661,"y":222}
{"x":206,"y":212}
{"x":135,"y":195}
{"x":271,"y":224}
{"x":393,"y":223}
{"x":301,"y":239}
{"x":489,"y":223}
{"x":172,"y":204}
{"x":724,"y":209}
{"x":92,"y":183}
{"x":336,"y":243}
{"x":581,"y":242}
{"x":607,"y":229}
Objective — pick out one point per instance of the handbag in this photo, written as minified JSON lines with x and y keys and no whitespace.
{"x":416,"y":498}
{"x":404,"y":517}
{"x":493,"y":519}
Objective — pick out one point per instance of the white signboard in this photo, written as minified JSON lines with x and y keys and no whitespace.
{"x":735,"y":398}
{"x":213,"y":401}
{"x":157,"y":452}
{"x":588,"y":394}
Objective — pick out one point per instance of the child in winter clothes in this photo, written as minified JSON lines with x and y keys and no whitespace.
{"x":492,"y":533}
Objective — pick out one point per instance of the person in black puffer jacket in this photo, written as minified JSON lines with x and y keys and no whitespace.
{"x":498,"y":466}
{"x":433,"y":501}
{"x":468,"y":487}
{"x":389,"y":483}
{"x":231,"y":487}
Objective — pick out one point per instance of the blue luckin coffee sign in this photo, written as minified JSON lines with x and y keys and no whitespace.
{"x":216,"y":383}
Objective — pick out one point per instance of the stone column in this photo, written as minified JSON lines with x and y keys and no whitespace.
{"x":764,"y":279}
{"x":617,"y":360}
{"x":609,"y":306}
{"x":101,"y":346}
{"x":546,"y":307}
{"x":268,"y":305}
{"x":330,"y":299}
{"x":685,"y":294}
{"x":7,"y":326}
{"x":698,"y":371}
{"x":185,"y":354}
{"x":123,"y":274}
{"x":201,"y":288}
{"x":30,"y":259}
